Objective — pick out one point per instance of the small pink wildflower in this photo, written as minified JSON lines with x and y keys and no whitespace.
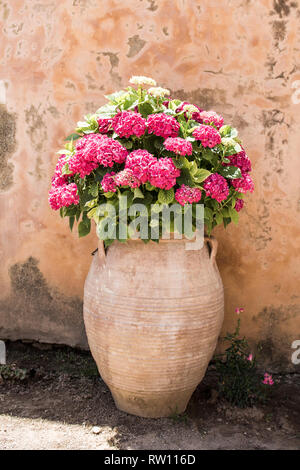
{"x":178,"y":145}
{"x":250,"y":357}
{"x":128,"y":123}
{"x":239,"y":310}
{"x":268,"y":379}
{"x":186,"y":194}
{"x":162,"y":125}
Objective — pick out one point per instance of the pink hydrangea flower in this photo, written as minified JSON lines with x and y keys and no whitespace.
{"x":63,"y":196}
{"x":244,"y":184}
{"x":104,"y":125}
{"x":216,"y":187}
{"x":210,"y":117}
{"x":108,"y":183}
{"x":162,"y":125}
{"x":239,"y":204}
{"x":241,"y":161}
{"x":139,"y":161}
{"x":178,"y":145}
{"x":127,"y":178}
{"x":128,"y":123}
{"x":208,"y":136}
{"x":186,"y":194}
{"x":100,"y":148}
{"x":268,"y":379}
{"x":59,"y":179}
{"x":163,"y":173}
{"x":80,"y":166}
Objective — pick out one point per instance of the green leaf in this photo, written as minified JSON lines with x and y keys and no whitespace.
{"x":234,"y":215}
{"x":65,"y":170}
{"x":174,"y":104}
{"x":181,"y":162}
{"x":219,"y":218}
{"x":149,"y":187}
{"x":71,"y":222}
{"x":107,"y":243}
{"x":208,"y":213}
{"x":231,"y":172}
{"x":166,"y":196}
{"x":84,"y":228}
{"x":94,"y":189}
{"x":138,"y":194}
{"x":185,"y":177}
{"x":201,"y":175}
{"x":145,"y":109}
{"x":73,"y":136}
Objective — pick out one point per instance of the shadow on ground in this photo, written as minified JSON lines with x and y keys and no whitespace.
{"x":63,"y":398}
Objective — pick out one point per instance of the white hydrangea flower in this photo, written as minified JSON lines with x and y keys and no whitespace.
{"x":158,"y":91}
{"x":140,"y":80}
{"x":190,"y":109}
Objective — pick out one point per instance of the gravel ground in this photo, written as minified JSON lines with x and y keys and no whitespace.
{"x":64,"y":404}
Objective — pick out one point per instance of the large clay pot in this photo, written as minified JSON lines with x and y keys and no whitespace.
{"x":153,"y":314}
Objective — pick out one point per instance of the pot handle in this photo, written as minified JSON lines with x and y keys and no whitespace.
{"x":213,"y":245}
{"x":101,"y":251}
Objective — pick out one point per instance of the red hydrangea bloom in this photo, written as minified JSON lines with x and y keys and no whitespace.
{"x":162,"y":125}
{"x":138,"y":161}
{"x":100,"y":148}
{"x":244,"y":184}
{"x":216,"y":187}
{"x":104,"y":125}
{"x":163,"y":173}
{"x":63,"y":196}
{"x":127,"y":123}
{"x":210,"y":117}
{"x":239,"y":204}
{"x":241,"y":161}
{"x":127,"y":178}
{"x":186,"y":194}
{"x":108,"y":183}
{"x":178,"y":145}
{"x":208,"y":135}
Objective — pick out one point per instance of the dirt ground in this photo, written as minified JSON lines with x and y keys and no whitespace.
{"x":63,"y":398}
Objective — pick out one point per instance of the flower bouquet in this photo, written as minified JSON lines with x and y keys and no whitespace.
{"x":154,"y":150}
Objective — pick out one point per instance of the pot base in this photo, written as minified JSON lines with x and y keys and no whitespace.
{"x":156,"y":405}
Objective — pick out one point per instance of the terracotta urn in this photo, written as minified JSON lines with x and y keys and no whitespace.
{"x":153,"y":313}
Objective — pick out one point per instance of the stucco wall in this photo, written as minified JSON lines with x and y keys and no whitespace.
{"x":57,"y":60}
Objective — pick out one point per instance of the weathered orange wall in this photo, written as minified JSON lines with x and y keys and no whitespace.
{"x":238,"y":57}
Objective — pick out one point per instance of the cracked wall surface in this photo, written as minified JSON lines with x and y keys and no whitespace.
{"x":237,"y":57}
